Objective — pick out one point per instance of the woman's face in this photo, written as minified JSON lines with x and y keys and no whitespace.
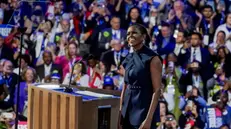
{"x":134,"y":36}
{"x":220,"y":37}
{"x":47,"y":26}
{"x":72,"y":50}
{"x":178,"y":6}
{"x":134,"y":14}
{"x":92,"y":63}
{"x":29,"y":76}
{"x":162,"y":109}
{"x":221,"y":53}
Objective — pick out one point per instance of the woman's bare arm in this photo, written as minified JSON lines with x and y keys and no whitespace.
{"x":156,"y":74}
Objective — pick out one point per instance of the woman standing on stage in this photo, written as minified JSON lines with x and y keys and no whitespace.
{"x":139,"y":106}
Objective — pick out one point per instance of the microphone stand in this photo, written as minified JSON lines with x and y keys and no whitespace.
{"x":68,"y":89}
{"x":22,"y":31}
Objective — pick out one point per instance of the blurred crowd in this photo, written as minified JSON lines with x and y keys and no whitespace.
{"x":88,"y":37}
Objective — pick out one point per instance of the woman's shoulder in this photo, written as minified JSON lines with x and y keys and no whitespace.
{"x":149,"y":54}
{"x":79,"y":58}
{"x":60,"y":58}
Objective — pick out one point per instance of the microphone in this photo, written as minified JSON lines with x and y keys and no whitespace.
{"x":68,"y":89}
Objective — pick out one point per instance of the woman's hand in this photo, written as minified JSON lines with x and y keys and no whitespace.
{"x":171,"y":15}
{"x":146,"y":124}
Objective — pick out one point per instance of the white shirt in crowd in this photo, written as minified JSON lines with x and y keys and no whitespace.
{"x":178,"y":48}
{"x":117,"y":57}
{"x":197,"y":52}
{"x":47,"y":69}
{"x":84,"y":80}
{"x":117,"y":33}
{"x":16,"y":71}
{"x":227,"y":33}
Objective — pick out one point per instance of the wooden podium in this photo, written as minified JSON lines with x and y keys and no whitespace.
{"x":50,"y":109}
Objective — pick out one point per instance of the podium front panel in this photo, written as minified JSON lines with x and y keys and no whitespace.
{"x":55,"y":109}
{"x":49,"y":109}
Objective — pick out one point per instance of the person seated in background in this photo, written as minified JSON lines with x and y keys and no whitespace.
{"x":10,"y":81}
{"x":163,"y":113}
{"x":30,"y":76}
{"x":194,"y":77}
{"x":25,"y":62}
{"x":55,"y":77}
{"x":108,"y":83}
{"x":169,"y":122}
{"x":44,"y":71}
{"x":216,"y":83}
{"x":79,"y":77}
{"x":67,"y":32}
{"x":190,"y":115}
{"x":51,"y":47}
{"x":221,"y":98}
{"x":165,"y":41}
{"x":71,"y":57}
{"x":93,"y":65}
{"x":108,"y":34}
{"x":114,"y":58}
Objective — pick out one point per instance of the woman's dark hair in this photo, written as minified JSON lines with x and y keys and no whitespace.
{"x":139,"y":19}
{"x":84,"y":68}
{"x":143,"y":31}
{"x":26,"y":58}
{"x":226,"y":17}
{"x":166,"y":105}
{"x":221,"y":48}
{"x":52,"y":24}
{"x":221,"y":31}
{"x":91,"y":57}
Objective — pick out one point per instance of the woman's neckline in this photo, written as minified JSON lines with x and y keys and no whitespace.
{"x":139,"y":48}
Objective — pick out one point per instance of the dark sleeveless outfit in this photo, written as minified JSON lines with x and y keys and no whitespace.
{"x":138,"y":95}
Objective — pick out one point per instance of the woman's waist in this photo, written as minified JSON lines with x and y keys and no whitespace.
{"x":139,"y":86}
